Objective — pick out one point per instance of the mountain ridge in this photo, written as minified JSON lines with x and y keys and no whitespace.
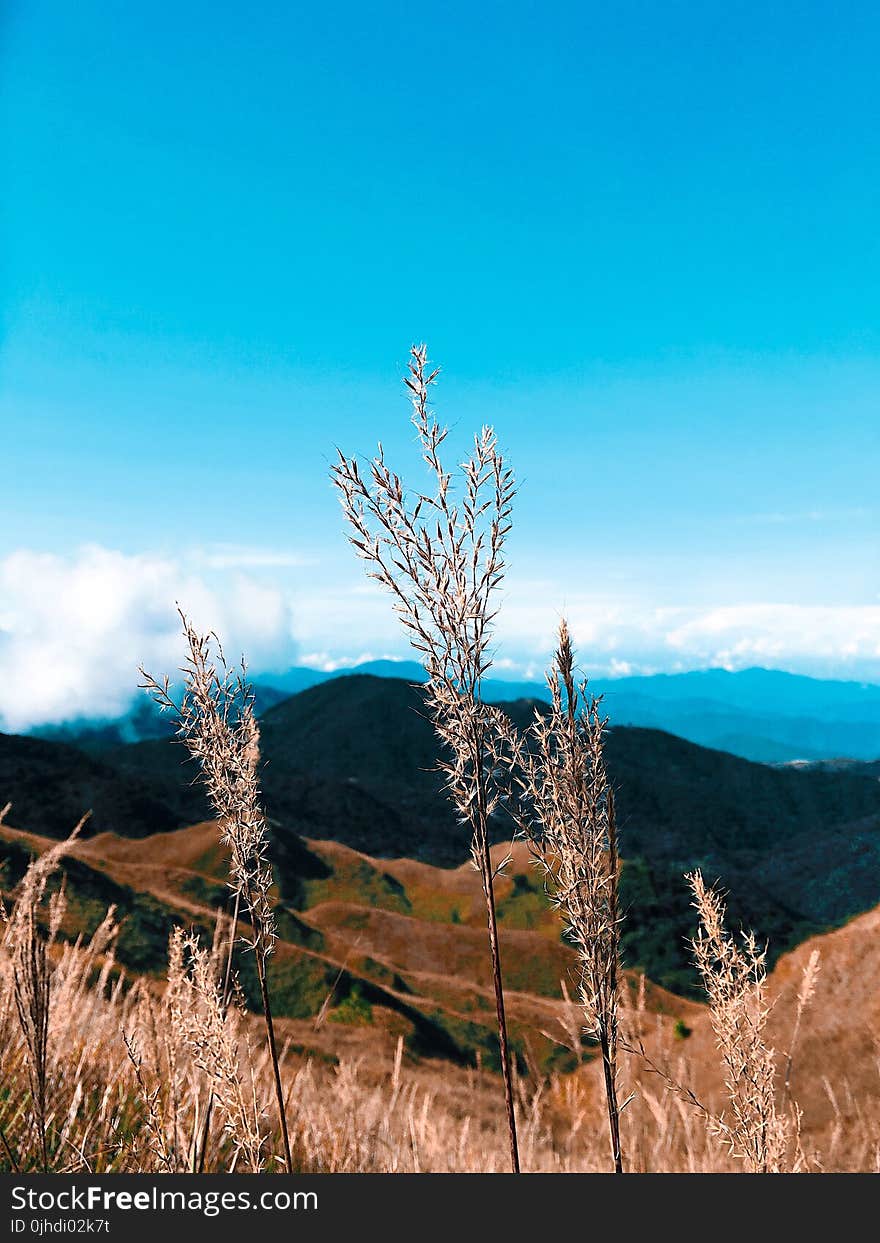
{"x":355,"y":760}
{"x":768,"y":716}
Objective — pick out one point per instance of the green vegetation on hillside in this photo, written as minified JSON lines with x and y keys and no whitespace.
{"x":354,"y":760}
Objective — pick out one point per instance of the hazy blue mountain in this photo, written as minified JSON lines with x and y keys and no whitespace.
{"x":759,"y":690}
{"x":759,"y":714}
{"x":296,"y":679}
{"x":766,"y":735}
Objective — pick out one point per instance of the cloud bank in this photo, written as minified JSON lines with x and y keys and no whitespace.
{"x":819,"y":640}
{"x":74,"y":629}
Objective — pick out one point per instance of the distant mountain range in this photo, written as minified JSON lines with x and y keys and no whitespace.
{"x":354,"y":760}
{"x":758,"y":714}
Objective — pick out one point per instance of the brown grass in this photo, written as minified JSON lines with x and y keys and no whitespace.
{"x":347,"y":1113}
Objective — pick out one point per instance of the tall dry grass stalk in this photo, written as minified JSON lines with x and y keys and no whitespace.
{"x":442,"y":560}
{"x":216,"y":723}
{"x":51,"y":994}
{"x":31,"y":974}
{"x":735,"y":979}
{"x":566,"y":807}
{"x":214,"y":1030}
{"x":759,"y":1127}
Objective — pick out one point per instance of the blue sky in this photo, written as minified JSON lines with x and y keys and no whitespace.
{"x":641,"y":240}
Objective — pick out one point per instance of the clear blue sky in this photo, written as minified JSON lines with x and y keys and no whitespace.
{"x":642,"y":240}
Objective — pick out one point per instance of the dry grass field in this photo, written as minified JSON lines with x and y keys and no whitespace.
{"x":367,"y":1081}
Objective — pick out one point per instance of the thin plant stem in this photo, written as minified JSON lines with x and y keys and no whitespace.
{"x":609,"y":1043}
{"x":488,"y":879}
{"x":504,"y":1047}
{"x":227,"y":991}
{"x":273,"y":1053}
{"x":10,"y":1154}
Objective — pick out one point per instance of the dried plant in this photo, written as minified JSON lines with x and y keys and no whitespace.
{"x":806,"y":991}
{"x":734,"y":978}
{"x":213,"y":1031}
{"x":155,"y":1123}
{"x":757,"y":1130}
{"x":566,"y":808}
{"x":31,"y":975}
{"x":442,"y":560}
{"x":167,"y":1085}
{"x":216,"y":722}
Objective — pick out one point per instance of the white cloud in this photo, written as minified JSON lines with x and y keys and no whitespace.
{"x":620,"y":635}
{"x":615,"y":636}
{"x":74,"y":629}
{"x":786,"y":635}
